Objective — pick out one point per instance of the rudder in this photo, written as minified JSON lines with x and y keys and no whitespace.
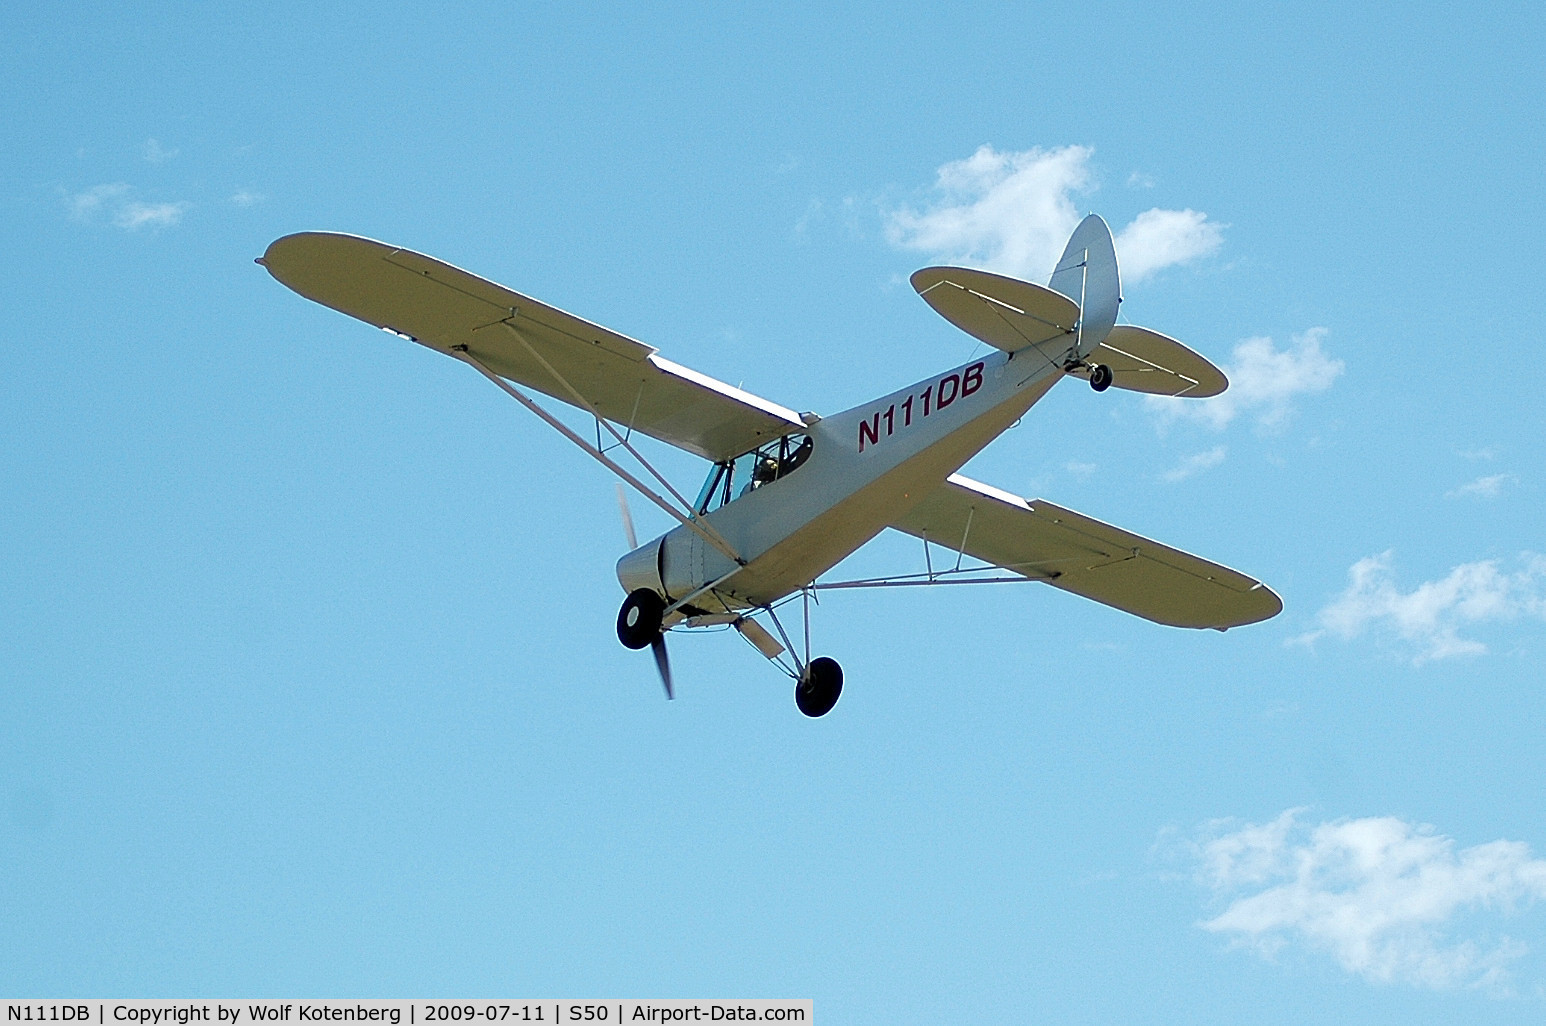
{"x":1087,"y":274}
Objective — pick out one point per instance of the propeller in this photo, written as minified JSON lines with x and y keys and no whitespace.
{"x":658,"y":644}
{"x":622,"y":504}
{"x":663,"y":664}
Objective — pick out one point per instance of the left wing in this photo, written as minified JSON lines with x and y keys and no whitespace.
{"x":1076,"y":553}
{"x":527,"y":341}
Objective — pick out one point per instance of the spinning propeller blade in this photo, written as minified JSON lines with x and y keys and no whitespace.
{"x":657,"y":646}
{"x":622,"y":504}
{"x":663,"y":664}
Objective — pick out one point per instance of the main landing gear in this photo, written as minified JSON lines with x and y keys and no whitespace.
{"x":818,"y":688}
{"x":818,"y":683}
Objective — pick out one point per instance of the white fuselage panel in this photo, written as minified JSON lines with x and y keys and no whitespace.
{"x":870,"y":464}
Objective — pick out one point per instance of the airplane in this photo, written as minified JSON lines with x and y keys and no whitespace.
{"x":790,"y":495}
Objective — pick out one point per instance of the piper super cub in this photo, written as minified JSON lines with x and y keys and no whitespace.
{"x":789,"y":495}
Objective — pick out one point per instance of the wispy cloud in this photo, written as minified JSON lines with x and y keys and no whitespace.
{"x":246,"y":198}
{"x":113,"y":201}
{"x":1196,"y":464}
{"x":1264,"y":381}
{"x":1428,"y":618}
{"x":1012,"y":212}
{"x":135,"y":216}
{"x":83,"y":206}
{"x":1383,"y":897}
{"x":1081,"y":469}
{"x":155,"y":153}
{"x":1489,"y":487}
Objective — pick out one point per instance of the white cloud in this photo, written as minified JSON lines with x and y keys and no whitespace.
{"x":84,"y":205}
{"x":1263,"y":380}
{"x":134,"y":216}
{"x":1080,"y":469}
{"x":246,"y":198}
{"x":1012,"y":212}
{"x":128,"y":214}
{"x":1429,"y":617}
{"x":1196,"y":464}
{"x":155,"y":153}
{"x":1381,"y":896}
{"x":1489,"y":487}
{"x":1009,"y":212}
{"x":1159,"y":238}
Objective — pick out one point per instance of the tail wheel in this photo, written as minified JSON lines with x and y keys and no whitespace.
{"x":638,"y":622}
{"x":1100,"y":377}
{"x":818,"y":689}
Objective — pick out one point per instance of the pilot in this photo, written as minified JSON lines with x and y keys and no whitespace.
{"x":766,"y":470}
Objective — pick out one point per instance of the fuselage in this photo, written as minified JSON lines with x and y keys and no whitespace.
{"x":867,"y":467}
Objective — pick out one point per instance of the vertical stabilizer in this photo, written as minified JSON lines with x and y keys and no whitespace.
{"x":1087,"y":274}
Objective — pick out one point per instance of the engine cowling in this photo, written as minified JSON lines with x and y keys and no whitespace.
{"x":641,"y":568}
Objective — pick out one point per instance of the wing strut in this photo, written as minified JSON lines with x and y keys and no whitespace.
{"x":585,"y":404}
{"x":708,"y":535}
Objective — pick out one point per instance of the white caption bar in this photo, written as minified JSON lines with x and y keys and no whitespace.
{"x":549,"y":1011}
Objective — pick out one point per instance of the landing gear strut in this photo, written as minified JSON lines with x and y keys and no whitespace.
{"x":817,"y":690}
{"x":638,"y":622}
{"x":818,"y":682}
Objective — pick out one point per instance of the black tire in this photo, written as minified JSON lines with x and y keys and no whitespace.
{"x":638,"y":622}
{"x":1100,"y":377}
{"x":818,"y":691}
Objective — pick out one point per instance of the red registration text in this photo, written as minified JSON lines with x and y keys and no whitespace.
{"x":937,"y":396}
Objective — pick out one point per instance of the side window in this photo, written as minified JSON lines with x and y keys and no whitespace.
{"x":708,"y":498}
{"x":732,"y":479}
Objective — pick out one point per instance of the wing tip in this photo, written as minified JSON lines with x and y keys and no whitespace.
{"x":1267,"y":604}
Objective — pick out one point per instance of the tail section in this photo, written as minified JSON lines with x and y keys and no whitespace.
{"x":1087,"y":274}
{"x":1069,"y":320}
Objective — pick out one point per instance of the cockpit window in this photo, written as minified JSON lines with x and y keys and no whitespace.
{"x":732,"y":479}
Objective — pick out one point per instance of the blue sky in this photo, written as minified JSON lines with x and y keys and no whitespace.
{"x":308,"y":681}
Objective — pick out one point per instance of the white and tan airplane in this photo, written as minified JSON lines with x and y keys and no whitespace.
{"x":789,"y":495}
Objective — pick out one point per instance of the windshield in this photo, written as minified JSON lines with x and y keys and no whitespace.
{"x":732,"y":479}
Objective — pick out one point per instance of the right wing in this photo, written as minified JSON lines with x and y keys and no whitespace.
{"x":441,"y":306}
{"x":1073,"y":552}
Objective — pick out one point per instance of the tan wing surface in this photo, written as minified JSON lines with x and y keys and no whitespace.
{"x":1082,"y":555}
{"x":1143,"y":360}
{"x":526,"y":341}
{"x":1004,"y":312}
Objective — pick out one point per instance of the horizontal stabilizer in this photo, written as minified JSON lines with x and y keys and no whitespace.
{"x":1146,"y":361}
{"x":1006,"y":313}
{"x":1076,"y":553}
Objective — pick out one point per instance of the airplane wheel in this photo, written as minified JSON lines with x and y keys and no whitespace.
{"x":818,"y":691}
{"x":1100,"y":377}
{"x":638,"y":622}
